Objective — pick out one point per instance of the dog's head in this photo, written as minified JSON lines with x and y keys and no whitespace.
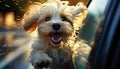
{"x":55,"y":21}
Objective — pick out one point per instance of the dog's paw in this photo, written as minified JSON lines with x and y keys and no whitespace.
{"x":40,"y":60}
{"x":65,"y":56}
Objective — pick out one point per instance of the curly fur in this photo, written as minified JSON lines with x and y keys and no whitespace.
{"x":45,"y":53}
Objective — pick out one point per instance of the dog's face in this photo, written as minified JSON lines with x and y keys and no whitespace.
{"x":55,"y":25}
{"x":55,"y":21}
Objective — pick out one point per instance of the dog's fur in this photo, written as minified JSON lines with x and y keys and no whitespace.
{"x":56,"y":25}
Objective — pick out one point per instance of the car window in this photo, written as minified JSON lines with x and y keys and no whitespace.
{"x":14,"y":41}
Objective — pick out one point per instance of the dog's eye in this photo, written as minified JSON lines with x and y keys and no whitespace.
{"x":47,"y":19}
{"x":63,"y":18}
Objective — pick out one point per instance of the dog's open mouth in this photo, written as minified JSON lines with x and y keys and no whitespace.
{"x":56,"y":37}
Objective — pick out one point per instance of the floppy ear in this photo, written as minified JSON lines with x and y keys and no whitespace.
{"x":30,"y":18}
{"x":80,"y":7}
{"x":79,"y":13}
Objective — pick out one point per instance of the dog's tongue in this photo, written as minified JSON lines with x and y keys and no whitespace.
{"x":56,"y":38}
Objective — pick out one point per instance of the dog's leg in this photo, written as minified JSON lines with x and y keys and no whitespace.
{"x":39,"y":59}
{"x":65,"y":55}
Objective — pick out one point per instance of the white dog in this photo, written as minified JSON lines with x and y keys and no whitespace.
{"x":56,"y":43}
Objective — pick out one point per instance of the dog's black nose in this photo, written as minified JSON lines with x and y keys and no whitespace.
{"x":56,"y":26}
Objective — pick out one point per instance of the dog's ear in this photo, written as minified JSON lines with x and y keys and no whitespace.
{"x":79,"y":13}
{"x":30,"y":18}
{"x":80,"y":7}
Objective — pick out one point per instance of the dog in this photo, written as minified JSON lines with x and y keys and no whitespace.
{"x":56,"y":42}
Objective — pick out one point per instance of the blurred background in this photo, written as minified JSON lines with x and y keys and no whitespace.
{"x":14,"y":42}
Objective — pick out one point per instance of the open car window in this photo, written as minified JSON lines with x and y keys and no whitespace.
{"x":100,"y":32}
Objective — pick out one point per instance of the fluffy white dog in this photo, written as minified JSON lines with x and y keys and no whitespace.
{"x":56,"y":24}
